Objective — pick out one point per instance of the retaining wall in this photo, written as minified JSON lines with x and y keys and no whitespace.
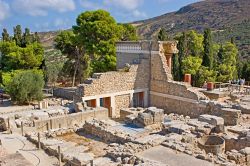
{"x":71,"y":120}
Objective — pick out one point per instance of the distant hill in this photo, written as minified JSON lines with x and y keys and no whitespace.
{"x":227,"y":18}
{"x":47,"y":38}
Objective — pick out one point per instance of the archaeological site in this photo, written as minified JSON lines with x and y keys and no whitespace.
{"x":137,"y":115}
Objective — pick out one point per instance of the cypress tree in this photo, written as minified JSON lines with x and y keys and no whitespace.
{"x":162,"y":35}
{"x":18,"y":35}
{"x":208,"y":58}
{"x":5,"y":35}
{"x":182,"y":46}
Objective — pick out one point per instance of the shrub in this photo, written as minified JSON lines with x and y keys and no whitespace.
{"x":26,"y":86}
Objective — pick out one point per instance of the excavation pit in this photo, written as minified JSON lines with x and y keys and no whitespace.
{"x":212,"y":144}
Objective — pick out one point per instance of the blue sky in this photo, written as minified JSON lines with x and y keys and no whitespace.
{"x":46,"y":15}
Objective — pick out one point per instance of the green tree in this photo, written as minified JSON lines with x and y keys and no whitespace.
{"x":128,"y":32}
{"x":191,"y":66}
{"x":204,"y":74}
{"x":182,"y":47}
{"x":5,"y":35}
{"x":18,"y":35}
{"x":15,"y":57}
{"x":26,"y":87}
{"x":175,"y":67}
{"x":26,"y":38}
{"x":194,"y":44}
{"x":98,"y":32}
{"x":227,"y":70}
{"x":208,"y":58}
{"x":162,"y":35}
{"x":69,"y":44}
{"x":246,"y":71}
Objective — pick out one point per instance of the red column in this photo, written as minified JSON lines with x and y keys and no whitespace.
{"x":187,"y":78}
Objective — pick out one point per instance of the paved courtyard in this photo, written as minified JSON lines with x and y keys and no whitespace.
{"x":172,"y":158}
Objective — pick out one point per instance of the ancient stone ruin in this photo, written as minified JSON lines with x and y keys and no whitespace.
{"x":138,"y":115}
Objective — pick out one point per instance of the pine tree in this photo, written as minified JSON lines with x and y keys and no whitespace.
{"x":18,"y":35}
{"x":26,"y":38}
{"x":208,"y":58}
{"x":162,"y":35}
{"x":5,"y":35}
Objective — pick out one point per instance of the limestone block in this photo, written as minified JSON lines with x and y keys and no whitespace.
{"x":79,"y":107}
{"x":211,"y":119}
{"x":145,"y":119}
{"x":231,"y":116}
{"x":43,"y":104}
{"x":158,"y":114}
{"x":82,"y":159}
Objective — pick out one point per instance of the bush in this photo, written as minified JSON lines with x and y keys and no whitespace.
{"x":26,"y":86}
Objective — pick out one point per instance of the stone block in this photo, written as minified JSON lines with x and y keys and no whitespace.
{"x":216,"y":121}
{"x":158,"y":114}
{"x":145,"y":119}
{"x":79,"y":107}
{"x":43,"y":105}
{"x":231,"y":116}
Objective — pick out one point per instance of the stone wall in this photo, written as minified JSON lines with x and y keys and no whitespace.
{"x":177,"y":106}
{"x":122,"y":101}
{"x":65,"y":93}
{"x":110,"y":82}
{"x":179,"y":97}
{"x":71,"y":120}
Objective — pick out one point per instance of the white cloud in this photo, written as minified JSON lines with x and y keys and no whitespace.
{"x":124,"y":8}
{"x":87,"y":4}
{"x":124,"y":4}
{"x":41,"y":7}
{"x":4,"y":10}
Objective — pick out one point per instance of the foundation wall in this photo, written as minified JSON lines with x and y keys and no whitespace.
{"x":70,"y":120}
{"x":65,"y":93}
{"x":171,"y":105}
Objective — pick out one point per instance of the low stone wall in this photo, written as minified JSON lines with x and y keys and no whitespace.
{"x":71,"y":120}
{"x":181,"y":107}
{"x":98,"y":129}
{"x":236,"y":143}
{"x":65,"y":93}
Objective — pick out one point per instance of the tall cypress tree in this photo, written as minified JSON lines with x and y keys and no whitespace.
{"x":182,"y":47}
{"x":18,"y":35}
{"x":162,"y":35}
{"x":208,"y":58}
{"x":220,"y":55}
{"x":5,"y":35}
{"x":176,"y":67}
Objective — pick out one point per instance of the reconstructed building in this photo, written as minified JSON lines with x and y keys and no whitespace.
{"x":143,"y":78}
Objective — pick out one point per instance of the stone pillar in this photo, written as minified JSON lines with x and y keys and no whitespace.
{"x":146,"y":97}
{"x":131,"y":99}
{"x":113,"y":109}
{"x":98,"y":102}
{"x":169,"y":61}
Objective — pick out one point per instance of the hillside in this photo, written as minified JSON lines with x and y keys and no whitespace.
{"x":225,"y":17}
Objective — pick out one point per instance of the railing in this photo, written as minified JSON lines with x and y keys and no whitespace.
{"x":233,"y":88}
{"x":128,"y":46}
